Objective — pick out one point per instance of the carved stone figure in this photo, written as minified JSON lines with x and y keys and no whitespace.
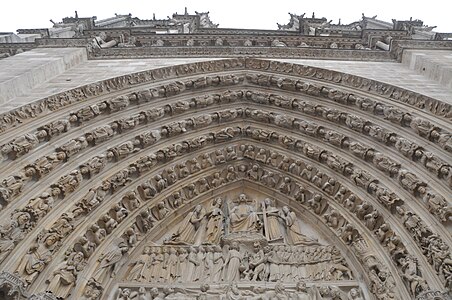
{"x":44,"y":164}
{"x":110,"y":262}
{"x":118,"y":103}
{"x":437,"y":205}
{"x":108,"y":223}
{"x":411,"y":274}
{"x":293,"y":230}
{"x":411,"y":182}
{"x":215,"y":222}
{"x":408,"y":148}
{"x":42,"y":204}
{"x":186,"y":233}
{"x":423,"y":127}
{"x":65,"y":276}
{"x":32,"y":264}
{"x":270,"y":215}
{"x":100,"y":134}
{"x":243,"y":216}
{"x":22,"y":144}
{"x":13,"y":232}
{"x":232,"y":263}
{"x":56,"y":127}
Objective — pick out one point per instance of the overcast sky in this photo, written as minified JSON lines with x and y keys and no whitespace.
{"x":15,"y":14}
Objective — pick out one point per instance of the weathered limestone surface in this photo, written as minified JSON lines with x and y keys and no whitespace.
{"x":434,"y":82}
{"x":27,"y":71}
{"x":434,"y":64}
{"x":127,"y":177}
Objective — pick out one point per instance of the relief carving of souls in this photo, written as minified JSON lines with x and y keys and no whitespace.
{"x":232,"y":263}
{"x":243,"y":217}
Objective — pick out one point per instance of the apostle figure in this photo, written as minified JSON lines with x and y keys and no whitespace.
{"x":186,"y":232}
{"x":243,"y":217}
{"x":293,"y":229}
{"x":215,"y":222}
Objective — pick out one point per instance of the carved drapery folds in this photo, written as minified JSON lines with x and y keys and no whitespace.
{"x":318,"y":151}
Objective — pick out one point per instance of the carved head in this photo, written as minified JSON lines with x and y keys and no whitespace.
{"x":198,"y":208}
{"x":279,"y":288}
{"x":257,"y":246}
{"x":218,"y":202}
{"x":286,"y":210}
{"x":267,"y":202}
{"x":301,"y":286}
{"x":354,"y":292}
{"x":235,"y":246}
{"x":235,"y":288}
{"x":102,"y":35}
{"x":242,"y":198}
{"x":23,"y":218}
{"x":204,"y":287}
{"x":51,"y":239}
{"x":154,"y":292}
{"x":78,"y":258}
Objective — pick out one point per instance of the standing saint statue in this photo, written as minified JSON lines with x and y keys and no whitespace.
{"x":243,"y":217}
{"x":215,"y":222}
{"x":271,"y":221}
{"x":186,"y":232}
{"x":293,"y":229}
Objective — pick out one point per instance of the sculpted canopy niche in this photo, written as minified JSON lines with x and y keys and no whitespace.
{"x":227,"y":179}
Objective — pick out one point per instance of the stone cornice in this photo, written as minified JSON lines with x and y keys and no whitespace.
{"x":263,"y":52}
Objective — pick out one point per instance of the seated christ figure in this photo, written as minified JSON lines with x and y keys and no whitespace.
{"x":243,"y":217}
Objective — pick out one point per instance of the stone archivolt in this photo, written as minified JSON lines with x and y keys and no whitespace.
{"x":258,"y":124}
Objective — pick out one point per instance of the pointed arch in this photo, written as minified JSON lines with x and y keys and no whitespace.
{"x":102,"y":131}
